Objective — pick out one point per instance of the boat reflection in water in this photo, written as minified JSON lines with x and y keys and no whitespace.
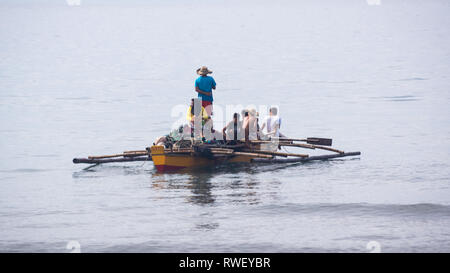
{"x":208,"y":185}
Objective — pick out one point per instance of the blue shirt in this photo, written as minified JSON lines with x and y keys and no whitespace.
{"x":205,"y":83}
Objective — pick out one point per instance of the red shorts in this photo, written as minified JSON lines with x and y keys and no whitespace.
{"x":208,"y":106}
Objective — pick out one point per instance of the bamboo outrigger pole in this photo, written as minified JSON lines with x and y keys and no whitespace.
{"x":125,"y":154}
{"x":110,"y":160}
{"x":303,"y":159}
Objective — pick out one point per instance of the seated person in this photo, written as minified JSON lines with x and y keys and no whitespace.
{"x":250,"y":125}
{"x":194,"y":111}
{"x":233,"y":130}
{"x":210,"y":134}
{"x":272,"y":124}
{"x":182,"y":132}
{"x":160,"y":141}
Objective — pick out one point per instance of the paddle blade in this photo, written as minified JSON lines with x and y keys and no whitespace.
{"x":319,"y":141}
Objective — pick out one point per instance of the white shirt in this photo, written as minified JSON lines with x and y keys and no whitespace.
{"x":230,"y":130}
{"x":273,"y":125}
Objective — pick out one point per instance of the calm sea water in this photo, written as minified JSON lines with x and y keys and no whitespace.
{"x":104,"y":77}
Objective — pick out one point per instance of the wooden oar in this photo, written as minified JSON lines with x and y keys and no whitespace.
{"x":309,"y":146}
{"x":241,"y":153}
{"x":252,"y":154}
{"x":270,"y":141}
{"x":311,"y":140}
{"x":222,"y":150}
{"x":278,"y":153}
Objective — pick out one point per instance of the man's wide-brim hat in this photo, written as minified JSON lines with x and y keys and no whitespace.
{"x":203,"y":71}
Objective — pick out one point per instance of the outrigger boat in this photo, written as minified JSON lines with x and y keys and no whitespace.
{"x":190,"y":154}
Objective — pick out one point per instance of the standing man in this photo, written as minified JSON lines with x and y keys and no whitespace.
{"x":204,"y":86}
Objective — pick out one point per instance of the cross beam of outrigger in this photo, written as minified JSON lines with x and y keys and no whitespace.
{"x":190,"y":153}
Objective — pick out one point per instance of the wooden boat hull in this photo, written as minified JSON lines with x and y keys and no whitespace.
{"x":166,"y":162}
